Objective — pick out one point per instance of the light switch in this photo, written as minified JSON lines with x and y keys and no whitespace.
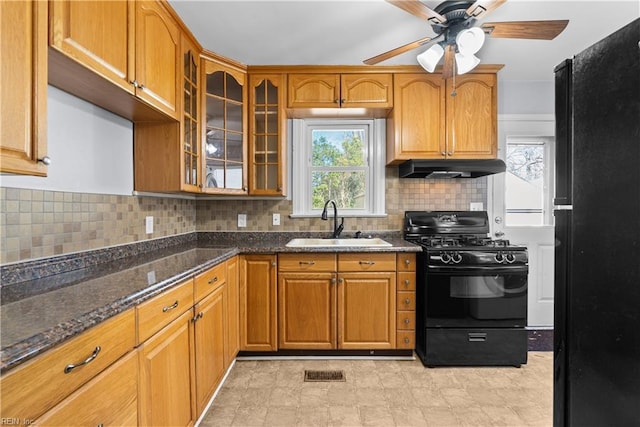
{"x":475,"y":206}
{"x":148,"y":224}
{"x":242,"y":220}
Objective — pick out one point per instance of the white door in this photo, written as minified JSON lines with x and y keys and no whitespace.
{"x":520,"y":205}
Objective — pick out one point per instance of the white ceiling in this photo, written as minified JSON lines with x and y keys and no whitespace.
{"x":345,"y":32}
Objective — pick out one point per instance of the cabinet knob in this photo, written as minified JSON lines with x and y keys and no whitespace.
{"x":406,"y":282}
{"x":407,"y":301}
{"x":407,"y":321}
{"x":134,"y":83}
{"x":273,"y":264}
{"x":45,"y":160}
{"x":336,"y":101}
{"x":407,"y":340}
{"x":443,"y":154}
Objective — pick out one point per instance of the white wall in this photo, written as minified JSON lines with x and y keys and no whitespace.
{"x":91,"y":150}
{"x":526,"y":97}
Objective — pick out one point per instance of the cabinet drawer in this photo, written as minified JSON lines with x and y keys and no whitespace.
{"x":207,"y":282}
{"x":405,"y":339}
{"x":87,"y":406}
{"x":38,"y":385}
{"x":406,"y":262}
{"x":406,"y":320}
{"x":364,"y":261}
{"x":406,"y":281}
{"x":406,"y":300}
{"x":307,"y":262}
{"x":159,"y":311}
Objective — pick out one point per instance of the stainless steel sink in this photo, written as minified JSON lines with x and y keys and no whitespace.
{"x":342,"y":243}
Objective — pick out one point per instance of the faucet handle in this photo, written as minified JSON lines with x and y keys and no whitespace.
{"x":358,"y":234}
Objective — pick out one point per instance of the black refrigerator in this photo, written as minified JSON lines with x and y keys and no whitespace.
{"x":597,"y":223}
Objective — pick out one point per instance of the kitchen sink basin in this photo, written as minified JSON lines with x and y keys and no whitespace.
{"x":342,"y":243}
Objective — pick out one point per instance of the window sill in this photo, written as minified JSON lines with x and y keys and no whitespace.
{"x":340,"y":215}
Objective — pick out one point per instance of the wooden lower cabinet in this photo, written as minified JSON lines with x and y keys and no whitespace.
{"x":233,"y":311}
{"x":307,"y":311}
{"x":110,"y":399}
{"x":166,"y":369}
{"x":209,"y":345}
{"x":258,"y":293}
{"x":366,"y":310}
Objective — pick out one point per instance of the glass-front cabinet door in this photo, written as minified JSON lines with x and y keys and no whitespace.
{"x":225,"y":133}
{"x":190,"y":119}
{"x":267,"y":137}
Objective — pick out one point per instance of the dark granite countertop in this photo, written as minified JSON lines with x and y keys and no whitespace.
{"x":56,"y":304}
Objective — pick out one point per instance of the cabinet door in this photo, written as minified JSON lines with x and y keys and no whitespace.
{"x":98,"y":34}
{"x":258,"y":303}
{"x":88,"y":405}
{"x":416,"y":125}
{"x":306,"y":311}
{"x":23,"y":87}
{"x":233,"y":311}
{"x":366,"y":310}
{"x":366,"y":90}
{"x":165,"y":387}
{"x":190,"y":167}
{"x":314,"y":90}
{"x":267,"y":142}
{"x":209,"y":344}
{"x":224,"y":108}
{"x":157,"y":53}
{"x":472,"y":117}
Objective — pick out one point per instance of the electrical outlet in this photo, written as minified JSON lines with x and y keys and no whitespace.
{"x":475,"y":206}
{"x":276,"y":219}
{"x":242,"y":220}
{"x":148,"y":224}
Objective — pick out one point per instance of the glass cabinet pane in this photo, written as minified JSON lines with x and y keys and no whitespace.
{"x":234,"y":116}
{"x":234,"y":89}
{"x":190,"y":120}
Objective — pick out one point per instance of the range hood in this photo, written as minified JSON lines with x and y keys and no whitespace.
{"x":460,"y":168}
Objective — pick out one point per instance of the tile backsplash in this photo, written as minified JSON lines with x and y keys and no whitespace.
{"x":40,"y":223}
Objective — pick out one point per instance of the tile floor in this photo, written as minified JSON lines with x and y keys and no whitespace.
{"x":385,"y":393}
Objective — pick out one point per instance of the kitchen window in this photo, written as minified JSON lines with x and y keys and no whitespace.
{"x":341,"y":160}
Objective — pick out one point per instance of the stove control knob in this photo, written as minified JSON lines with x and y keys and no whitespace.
{"x":510,"y":258}
{"x":456,"y":258}
{"x":499,"y":257}
{"x":445,"y":257}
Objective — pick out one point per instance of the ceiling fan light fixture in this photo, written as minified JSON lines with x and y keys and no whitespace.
{"x":469,"y":41}
{"x":466,"y":63}
{"x":430,"y":57}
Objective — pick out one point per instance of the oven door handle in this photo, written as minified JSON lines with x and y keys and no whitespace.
{"x":464,"y":270}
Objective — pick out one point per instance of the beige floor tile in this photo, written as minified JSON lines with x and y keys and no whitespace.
{"x":386,"y":393}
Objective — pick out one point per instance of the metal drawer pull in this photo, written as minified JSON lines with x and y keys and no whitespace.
{"x":407,"y":321}
{"x":406,"y":282}
{"x":170,"y":307}
{"x":407,"y":301}
{"x":71,"y":367}
{"x":406,"y":261}
{"x":477,"y":336}
{"x":367,"y":262}
{"x":407,"y":340}
{"x":307,"y":263}
{"x":197,"y":316}
{"x":213,"y":280}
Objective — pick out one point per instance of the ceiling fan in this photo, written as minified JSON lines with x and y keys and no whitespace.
{"x":453,"y":21}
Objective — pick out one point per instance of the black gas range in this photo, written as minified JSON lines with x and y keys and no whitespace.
{"x":471,"y":291}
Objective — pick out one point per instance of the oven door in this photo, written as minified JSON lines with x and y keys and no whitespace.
{"x":476,"y":296}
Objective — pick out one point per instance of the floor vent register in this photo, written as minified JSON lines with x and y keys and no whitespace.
{"x":311,"y":376}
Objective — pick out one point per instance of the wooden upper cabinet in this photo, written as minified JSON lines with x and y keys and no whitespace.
{"x":472,"y":117}
{"x":416,"y":126}
{"x":23,"y":87}
{"x":98,"y":34}
{"x":428,"y":122}
{"x":267,"y":135}
{"x":366,"y":90}
{"x":224,"y":104}
{"x":340,"y":90}
{"x":157,"y":51}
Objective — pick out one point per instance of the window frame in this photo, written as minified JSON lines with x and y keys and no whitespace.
{"x":301,"y":165}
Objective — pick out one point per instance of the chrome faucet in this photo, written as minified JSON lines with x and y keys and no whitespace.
{"x":337,"y":229}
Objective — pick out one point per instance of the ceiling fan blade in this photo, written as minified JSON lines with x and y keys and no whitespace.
{"x":541,"y":30}
{"x":418,"y":9}
{"x":449,"y":59}
{"x":397,"y":51}
{"x":481,"y":8}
